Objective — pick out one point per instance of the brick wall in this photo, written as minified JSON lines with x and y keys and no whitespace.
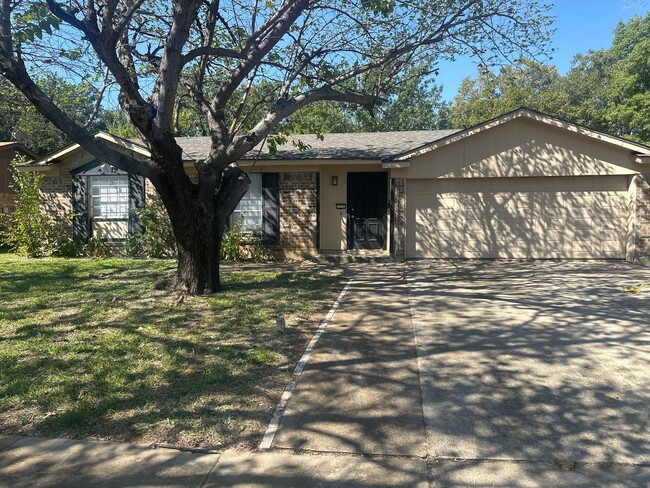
{"x":56,"y":191}
{"x":298,"y":211}
{"x":398,"y":217}
{"x":6,"y":202}
{"x":642,"y":217}
{"x":56,"y":196}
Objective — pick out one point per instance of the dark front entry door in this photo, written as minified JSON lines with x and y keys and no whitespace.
{"x":367,"y":210}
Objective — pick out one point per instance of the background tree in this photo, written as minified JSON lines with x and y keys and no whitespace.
{"x":414,"y":103}
{"x":524,"y":84}
{"x":220,"y":51}
{"x":80,"y":100}
{"x":607,"y":89}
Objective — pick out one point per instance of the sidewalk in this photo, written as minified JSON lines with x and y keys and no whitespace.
{"x":355,"y":418}
{"x":36,"y":463}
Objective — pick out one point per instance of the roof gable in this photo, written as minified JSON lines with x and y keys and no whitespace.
{"x":522,"y":147}
{"x":5,"y":146}
{"x":642,"y":150}
{"x":56,"y":156}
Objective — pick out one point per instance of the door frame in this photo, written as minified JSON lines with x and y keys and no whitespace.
{"x":384,"y":209}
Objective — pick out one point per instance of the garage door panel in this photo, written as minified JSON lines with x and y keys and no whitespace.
{"x":611,"y":247}
{"x":471,"y":222}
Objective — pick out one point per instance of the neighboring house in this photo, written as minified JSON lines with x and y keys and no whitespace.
{"x":8,"y":151}
{"x":522,"y":185}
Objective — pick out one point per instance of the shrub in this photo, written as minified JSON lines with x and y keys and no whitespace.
{"x":96,"y":248}
{"x":133,"y":246}
{"x":157,"y":240}
{"x":28,"y":230}
{"x":61,"y":244}
{"x":231,"y":246}
{"x":239,"y":245}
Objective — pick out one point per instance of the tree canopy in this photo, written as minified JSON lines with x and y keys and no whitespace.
{"x":42,"y":136}
{"x":415,"y":104}
{"x":245,"y":66}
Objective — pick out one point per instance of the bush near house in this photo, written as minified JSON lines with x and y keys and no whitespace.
{"x":157,"y":240}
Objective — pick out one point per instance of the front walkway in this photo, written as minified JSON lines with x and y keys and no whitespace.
{"x":355,"y":418}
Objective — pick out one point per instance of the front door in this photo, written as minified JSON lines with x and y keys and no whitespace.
{"x":367,"y":193}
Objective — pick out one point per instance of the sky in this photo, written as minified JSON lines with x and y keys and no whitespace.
{"x":581,"y":25}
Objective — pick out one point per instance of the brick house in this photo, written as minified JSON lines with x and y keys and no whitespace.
{"x":522,"y":185}
{"x":8,"y":151}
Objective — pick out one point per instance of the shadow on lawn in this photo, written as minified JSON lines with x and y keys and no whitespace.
{"x":105,"y":364}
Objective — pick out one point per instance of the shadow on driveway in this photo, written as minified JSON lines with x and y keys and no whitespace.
{"x":534,"y":360}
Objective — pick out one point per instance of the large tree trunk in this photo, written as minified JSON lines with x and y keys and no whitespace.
{"x":198,"y":219}
{"x":198,"y":258}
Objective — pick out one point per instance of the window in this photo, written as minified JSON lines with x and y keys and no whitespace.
{"x":110,"y":197}
{"x":250,"y":206}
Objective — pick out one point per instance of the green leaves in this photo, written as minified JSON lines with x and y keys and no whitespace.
{"x":633,"y":288}
{"x":35,"y":21}
{"x":379,"y":7}
{"x":527,"y":84}
{"x":608,"y":89}
{"x":29,"y":228}
{"x":280,"y":138}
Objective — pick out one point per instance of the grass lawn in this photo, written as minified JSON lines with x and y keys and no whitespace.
{"x":89,"y":348}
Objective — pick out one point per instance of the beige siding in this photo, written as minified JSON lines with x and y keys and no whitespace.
{"x":522,"y":148}
{"x":579,"y":217}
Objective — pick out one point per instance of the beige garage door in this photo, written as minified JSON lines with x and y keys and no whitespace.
{"x":565,"y":217}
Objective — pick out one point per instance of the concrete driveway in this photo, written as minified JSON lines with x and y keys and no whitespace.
{"x":534,"y":361}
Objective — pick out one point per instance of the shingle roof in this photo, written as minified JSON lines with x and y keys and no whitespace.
{"x":17,"y":145}
{"x":361,"y":145}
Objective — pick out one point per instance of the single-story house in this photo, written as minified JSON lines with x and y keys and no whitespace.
{"x":8,"y":151}
{"x":522,"y":185}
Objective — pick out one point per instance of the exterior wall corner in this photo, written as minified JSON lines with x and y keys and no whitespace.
{"x":641,"y":219}
{"x":398,"y":218}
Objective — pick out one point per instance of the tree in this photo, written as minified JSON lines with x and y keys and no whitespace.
{"x":524,"y":84}
{"x":414,"y":103}
{"x":79,"y":100}
{"x":308,"y":51}
{"x":607,"y":89}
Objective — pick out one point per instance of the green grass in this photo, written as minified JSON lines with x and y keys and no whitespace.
{"x":89,"y":348}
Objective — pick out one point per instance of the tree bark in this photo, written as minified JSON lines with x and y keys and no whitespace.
{"x":199,"y":219}
{"x":197,"y":272}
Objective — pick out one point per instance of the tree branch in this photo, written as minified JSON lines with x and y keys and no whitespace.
{"x":284,"y":108}
{"x":212,"y":51}
{"x":258,"y":46}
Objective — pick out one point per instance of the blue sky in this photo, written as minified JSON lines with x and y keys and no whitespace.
{"x":580,"y":25}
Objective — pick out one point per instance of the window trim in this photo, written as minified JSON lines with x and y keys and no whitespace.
{"x":91,"y":207}
{"x":259,"y":227}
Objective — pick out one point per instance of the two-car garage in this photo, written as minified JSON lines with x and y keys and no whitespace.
{"x":519,"y":218}
{"x":524,"y":187}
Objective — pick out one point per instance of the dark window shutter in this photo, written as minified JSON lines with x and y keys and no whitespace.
{"x":270,"y":208}
{"x":80,"y":222}
{"x":136,"y":202}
